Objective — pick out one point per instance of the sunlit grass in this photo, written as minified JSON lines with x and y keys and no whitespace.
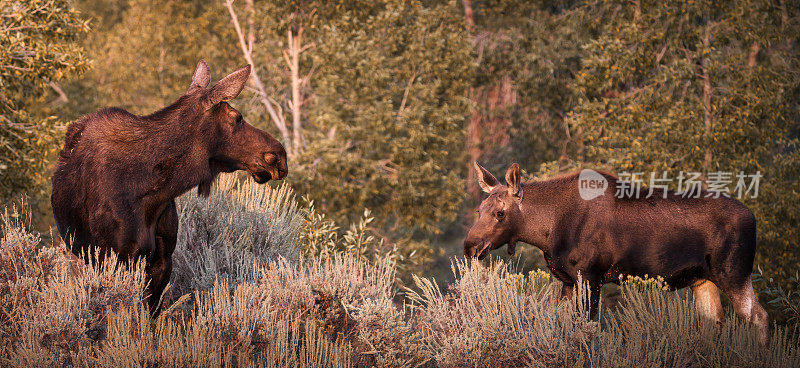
{"x":253,"y":300}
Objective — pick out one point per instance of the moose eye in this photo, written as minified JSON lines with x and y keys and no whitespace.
{"x":501,"y":214}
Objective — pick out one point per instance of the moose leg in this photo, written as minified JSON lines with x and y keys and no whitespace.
{"x":159,"y":272}
{"x":159,"y":269}
{"x":568,"y":291}
{"x":746,"y":306}
{"x":139,"y":242}
{"x":594,"y":298}
{"x":568,"y":283}
{"x":706,"y":300}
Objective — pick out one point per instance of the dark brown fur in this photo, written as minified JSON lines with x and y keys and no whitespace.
{"x":706,"y":243}
{"x":117,"y":178}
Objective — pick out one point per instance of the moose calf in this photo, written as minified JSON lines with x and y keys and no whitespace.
{"x":117,"y":178}
{"x":705,"y":243}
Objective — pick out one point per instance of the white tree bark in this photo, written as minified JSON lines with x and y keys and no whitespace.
{"x":245,"y":43}
{"x":292,"y":57}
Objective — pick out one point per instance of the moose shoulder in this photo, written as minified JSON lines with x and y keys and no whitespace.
{"x":706,"y":243}
{"x":118,"y":174}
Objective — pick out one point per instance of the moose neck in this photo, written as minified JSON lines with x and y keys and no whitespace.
{"x":178,"y":142}
{"x":539,"y":215}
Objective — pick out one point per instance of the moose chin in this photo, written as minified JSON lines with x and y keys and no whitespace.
{"x":117,"y":177}
{"x":704,"y":243}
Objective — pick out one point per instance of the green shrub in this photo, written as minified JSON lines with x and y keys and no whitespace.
{"x":321,"y":237}
{"x":239,"y":226}
{"x":784,"y":302}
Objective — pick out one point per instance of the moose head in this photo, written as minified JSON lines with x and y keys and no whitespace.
{"x":233,"y":143}
{"x":499,"y":215}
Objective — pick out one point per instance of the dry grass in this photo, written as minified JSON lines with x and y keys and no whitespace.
{"x":54,"y":309}
{"x":251,"y":300}
{"x":492,"y":317}
{"x":59,"y":311}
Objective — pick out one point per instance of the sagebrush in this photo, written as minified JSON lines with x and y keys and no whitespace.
{"x":245,"y":296}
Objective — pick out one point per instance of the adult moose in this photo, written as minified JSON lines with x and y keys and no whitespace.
{"x":705,"y":243}
{"x":117,"y":178}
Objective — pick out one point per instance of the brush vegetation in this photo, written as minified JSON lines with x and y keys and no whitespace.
{"x":255,"y":286}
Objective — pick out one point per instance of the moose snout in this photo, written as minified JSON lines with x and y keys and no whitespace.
{"x":282,"y":172}
{"x":471,"y":247}
{"x":277,"y":165}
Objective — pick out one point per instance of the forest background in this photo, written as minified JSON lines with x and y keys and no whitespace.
{"x":383,"y":105}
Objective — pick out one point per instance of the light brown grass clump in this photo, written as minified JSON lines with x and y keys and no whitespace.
{"x":54,"y":309}
{"x":651,"y":320}
{"x":294,"y":315}
{"x":58,"y":311}
{"x":492,"y":317}
{"x":228,"y":328}
{"x":250,"y":300}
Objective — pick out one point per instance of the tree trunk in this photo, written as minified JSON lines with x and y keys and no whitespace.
{"x":295,"y":47}
{"x":474,"y":150}
{"x":751,"y":58}
{"x":708,"y":114}
{"x":251,"y":35}
{"x":277,"y":119}
{"x":473,"y":141}
{"x":62,"y":97}
{"x":785,"y":21}
{"x":469,"y":17}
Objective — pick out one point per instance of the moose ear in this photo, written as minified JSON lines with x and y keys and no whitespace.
{"x":512,"y":180}
{"x":201,"y":75}
{"x":229,"y":87}
{"x":486,"y":180}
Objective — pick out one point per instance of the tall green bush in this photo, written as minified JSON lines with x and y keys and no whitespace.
{"x":38,"y":48}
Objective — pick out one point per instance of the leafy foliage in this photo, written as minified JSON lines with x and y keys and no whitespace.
{"x":144,"y":53}
{"x":697,"y":86}
{"x":38,"y":46}
{"x":388,"y":115}
{"x":321,"y":237}
{"x":527,"y":54}
{"x":373,"y":70}
{"x":785,"y":301}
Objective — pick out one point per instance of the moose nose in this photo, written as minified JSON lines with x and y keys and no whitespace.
{"x":281,"y":174}
{"x":470,"y":246}
{"x":283,"y":170}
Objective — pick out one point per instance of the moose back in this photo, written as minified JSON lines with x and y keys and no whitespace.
{"x":117,"y":177}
